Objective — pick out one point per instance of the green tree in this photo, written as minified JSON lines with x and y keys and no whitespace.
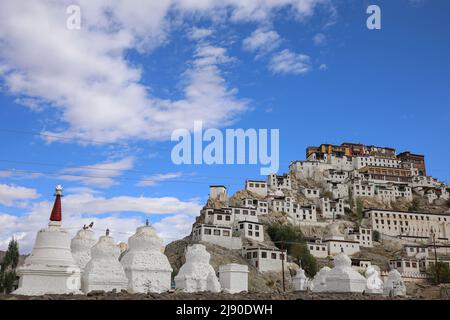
{"x":8,"y":267}
{"x":444,"y":273}
{"x":292,"y":240}
{"x":376,"y":235}
{"x":351,"y":202}
{"x":359,"y":208}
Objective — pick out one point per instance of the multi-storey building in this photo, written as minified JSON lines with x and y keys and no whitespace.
{"x":303,"y":214}
{"x":219,"y":235}
{"x":331,"y":209}
{"x":261,"y":206}
{"x":275,"y":182}
{"x":391,"y":192}
{"x":265,"y":259}
{"x":218,"y":193}
{"x":413,"y":226}
{"x":250,"y":230}
{"x":256,"y":186}
{"x":362,"y":235}
{"x":382,"y":174}
{"x":317,"y":248}
{"x":416,"y":161}
{"x":310,"y":193}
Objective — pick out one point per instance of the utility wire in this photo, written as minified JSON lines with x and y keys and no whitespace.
{"x":91,"y":168}
{"x":115,"y":178}
{"x":58,"y":137}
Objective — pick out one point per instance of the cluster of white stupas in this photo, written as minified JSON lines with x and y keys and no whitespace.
{"x":342,"y":278}
{"x":60,"y":265}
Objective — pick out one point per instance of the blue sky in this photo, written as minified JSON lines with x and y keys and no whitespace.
{"x":130,"y":77}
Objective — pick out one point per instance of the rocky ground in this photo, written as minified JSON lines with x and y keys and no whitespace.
{"x":414,"y":291}
{"x":100,"y":295}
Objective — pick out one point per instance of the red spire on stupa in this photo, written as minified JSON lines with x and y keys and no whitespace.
{"x":57,"y":211}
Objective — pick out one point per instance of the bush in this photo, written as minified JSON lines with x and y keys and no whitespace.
{"x":376,"y":235}
{"x":444,"y":273}
{"x":415,"y":205}
{"x":295,"y":245}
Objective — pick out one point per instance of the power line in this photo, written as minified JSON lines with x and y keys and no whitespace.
{"x":91,"y":168}
{"x":116,"y":178}
{"x":59,"y":137}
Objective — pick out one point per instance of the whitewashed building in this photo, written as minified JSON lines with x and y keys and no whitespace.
{"x":317,"y":248}
{"x":303,"y":214}
{"x":218,"y":193}
{"x":256,"y":186}
{"x":331,"y":209}
{"x":219,"y":235}
{"x":265,"y":259}
{"x":276,"y":182}
{"x":244,"y":214}
{"x":362,"y":235}
{"x":413,"y":226}
{"x":362,"y":189}
{"x":250,"y":230}
{"x":261,"y":206}
{"x":338,"y":244}
{"x":310,"y":193}
{"x":222,"y":217}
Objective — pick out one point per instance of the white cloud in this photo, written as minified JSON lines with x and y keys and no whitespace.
{"x":155,"y":179}
{"x":10,"y":194}
{"x":85,"y":74}
{"x":174,"y":227}
{"x":115,"y":213}
{"x":323,"y":67}
{"x":98,"y":175}
{"x":320,"y":39}
{"x":262,"y":40}
{"x":288,"y":62}
{"x":199,"y":33}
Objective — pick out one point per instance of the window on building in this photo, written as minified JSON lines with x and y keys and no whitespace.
{"x":273,"y":255}
{"x":207,"y":231}
{"x":264,"y":255}
{"x":226,"y":233}
{"x":217,"y":232}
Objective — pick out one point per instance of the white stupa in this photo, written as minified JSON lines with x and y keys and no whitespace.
{"x":104,"y":271}
{"x":50,"y":268}
{"x":374,"y":284}
{"x":300,"y":281}
{"x":342,"y":278}
{"x":197,"y":274}
{"x":319,"y":283}
{"x":394,"y":285}
{"x":146,"y":267}
{"x":81,"y":247}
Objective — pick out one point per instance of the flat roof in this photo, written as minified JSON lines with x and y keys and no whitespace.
{"x":211,"y":226}
{"x":337,"y":240}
